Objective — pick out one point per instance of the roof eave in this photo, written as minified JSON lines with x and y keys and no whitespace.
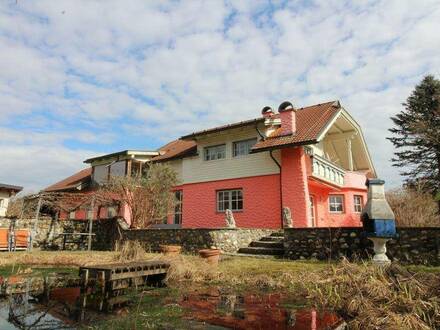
{"x":284,"y":146}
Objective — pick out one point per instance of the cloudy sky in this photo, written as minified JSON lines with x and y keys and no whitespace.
{"x":82,"y":78}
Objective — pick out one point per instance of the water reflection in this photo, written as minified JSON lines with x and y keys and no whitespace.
{"x":212,"y":308}
{"x":252,"y":311}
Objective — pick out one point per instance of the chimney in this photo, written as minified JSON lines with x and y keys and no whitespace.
{"x":267,"y":112}
{"x":288,"y":118}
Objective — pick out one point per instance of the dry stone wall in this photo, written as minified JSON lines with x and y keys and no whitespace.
{"x":226,"y":239}
{"x":49,"y":233}
{"x":412,"y":246}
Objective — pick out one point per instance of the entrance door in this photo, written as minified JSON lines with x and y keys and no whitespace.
{"x":178,"y":207}
{"x":312,"y":211}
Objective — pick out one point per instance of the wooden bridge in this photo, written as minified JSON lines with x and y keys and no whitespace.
{"x":106,"y":284}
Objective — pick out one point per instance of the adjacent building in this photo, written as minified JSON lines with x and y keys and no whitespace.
{"x":313,"y":160}
{"x":6,"y":192}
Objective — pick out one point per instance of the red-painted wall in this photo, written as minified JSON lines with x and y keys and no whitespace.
{"x":325,"y":218}
{"x":261,"y":203}
{"x":294,"y":185}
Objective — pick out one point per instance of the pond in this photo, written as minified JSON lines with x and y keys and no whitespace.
{"x":201,"y":308}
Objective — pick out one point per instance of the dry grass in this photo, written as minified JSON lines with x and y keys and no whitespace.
{"x":377,"y":298}
{"x":368,"y":297}
{"x":413,"y":208}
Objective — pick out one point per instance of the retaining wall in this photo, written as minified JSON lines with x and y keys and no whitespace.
{"x":49,"y":233}
{"x":414,"y":245}
{"x":191,"y":240}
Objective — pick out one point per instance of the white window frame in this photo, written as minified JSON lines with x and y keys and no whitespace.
{"x":358,"y":202}
{"x":72,"y":215}
{"x":216,"y":151}
{"x":336,"y":203}
{"x":247,"y":146}
{"x":227,"y":196}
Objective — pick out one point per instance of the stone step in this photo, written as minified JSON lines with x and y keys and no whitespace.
{"x":272,"y":239}
{"x":262,"y":251}
{"x":277,"y":234}
{"x":267,"y":244}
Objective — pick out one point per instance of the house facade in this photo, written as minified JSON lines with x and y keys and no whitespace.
{"x":313,"y":160}
{"x":6,"y":192}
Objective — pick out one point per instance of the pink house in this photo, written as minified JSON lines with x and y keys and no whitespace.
{"x":313,"y":160}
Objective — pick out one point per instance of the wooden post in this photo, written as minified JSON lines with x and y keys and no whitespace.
{"x":89,"y":243}
{"x":34,"y":229}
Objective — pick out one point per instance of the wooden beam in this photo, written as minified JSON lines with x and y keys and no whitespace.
{"x":341,"y":136}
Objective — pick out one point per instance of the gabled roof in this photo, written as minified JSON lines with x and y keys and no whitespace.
{"x":176,"y":149}
{"x":10,"y":187}
{"x":310,"y":123}
{"x":72,"y":182}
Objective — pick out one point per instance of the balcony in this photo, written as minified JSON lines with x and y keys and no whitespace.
{"x":327,"y":171}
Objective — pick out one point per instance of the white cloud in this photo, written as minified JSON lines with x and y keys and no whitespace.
{"x":87,"y":70}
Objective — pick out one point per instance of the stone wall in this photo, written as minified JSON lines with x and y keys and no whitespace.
{"x":414,"y":245}
{"x":191,"y":240}
{"x":49,"y":233}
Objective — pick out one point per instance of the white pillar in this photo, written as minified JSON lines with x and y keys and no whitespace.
{"x":350,"y":155}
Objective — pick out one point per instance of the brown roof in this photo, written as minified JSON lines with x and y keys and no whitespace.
{"x":223,"y":127}
{"x":310,"y":122}
{"x":176,"y":149}
{"x":72,"y":181}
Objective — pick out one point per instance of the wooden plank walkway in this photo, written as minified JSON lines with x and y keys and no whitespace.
{"x":109,"y":281}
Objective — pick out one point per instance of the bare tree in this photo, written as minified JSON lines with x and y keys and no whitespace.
{"x":148,"y":197}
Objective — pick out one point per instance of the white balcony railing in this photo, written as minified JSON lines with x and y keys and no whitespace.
{"x":325,"y":170}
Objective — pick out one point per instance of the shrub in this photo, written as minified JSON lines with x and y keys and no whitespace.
{"x":413,"y":208}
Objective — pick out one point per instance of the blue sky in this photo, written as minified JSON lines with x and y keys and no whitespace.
{"x":81,"y":78}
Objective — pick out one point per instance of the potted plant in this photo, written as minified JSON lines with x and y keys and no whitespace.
{"x":170,"y":250}
{"x":210,"y":255}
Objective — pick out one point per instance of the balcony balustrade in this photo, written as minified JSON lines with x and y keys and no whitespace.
{"x":325,"y":170}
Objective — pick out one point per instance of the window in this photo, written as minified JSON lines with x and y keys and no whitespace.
{"x":215,"y":152}
{"x":357,"y":200}
{"x":1,"y":202}
{"x":229,"y":199}
{"x":178,"y":207}
{"x":90,"y":214}
{"x":336,"y":203}
{"x":136,"y":168}
{"x":72,"y":215}
{"x":242,"y":148}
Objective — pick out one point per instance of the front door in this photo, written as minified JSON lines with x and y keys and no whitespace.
{"x":312,"y":211}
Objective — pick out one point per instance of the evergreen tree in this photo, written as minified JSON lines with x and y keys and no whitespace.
{"x":416,"y":137}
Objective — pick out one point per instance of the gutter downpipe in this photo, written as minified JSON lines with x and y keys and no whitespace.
{"x":279,"y":166}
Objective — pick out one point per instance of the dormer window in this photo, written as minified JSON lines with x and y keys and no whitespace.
{"x":215,"y":152}
{"x":243,"y":148}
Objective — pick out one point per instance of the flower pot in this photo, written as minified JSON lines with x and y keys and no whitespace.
{"x":210,"y":255}
{"x":170,"y":250}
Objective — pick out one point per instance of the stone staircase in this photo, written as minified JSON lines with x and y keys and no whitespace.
{"x":267,"y":246}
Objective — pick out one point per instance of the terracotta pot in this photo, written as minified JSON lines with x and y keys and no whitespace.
{"x":170,"y":250}
{"x":210,"y":255}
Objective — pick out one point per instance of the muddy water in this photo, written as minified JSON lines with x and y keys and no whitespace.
{"x":207,"y":308}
